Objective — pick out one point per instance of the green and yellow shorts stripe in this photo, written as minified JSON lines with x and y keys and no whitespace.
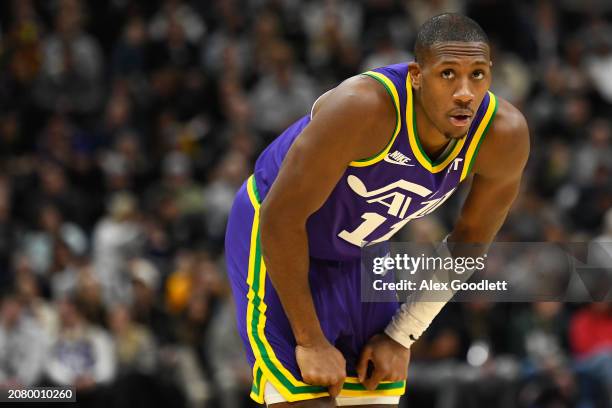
{"x":270,"y":346}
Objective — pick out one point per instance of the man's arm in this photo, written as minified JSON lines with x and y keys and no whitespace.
{"x":355,"y":120}
{"x":496,"y":183}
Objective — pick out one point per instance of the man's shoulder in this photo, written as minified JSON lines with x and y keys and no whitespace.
{"x":509,"y":124}
{"x":507,"y":143}
{"x":359,"y":92}
{"x":360,"y":112}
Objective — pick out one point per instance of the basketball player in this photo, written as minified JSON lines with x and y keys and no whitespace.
{"x":380,"y":149}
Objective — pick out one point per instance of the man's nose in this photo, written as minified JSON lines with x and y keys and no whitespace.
{"x":463,"y":94}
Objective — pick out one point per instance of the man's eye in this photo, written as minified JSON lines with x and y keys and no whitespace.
{"x":478,"y":74}
{"x":447,"y":74}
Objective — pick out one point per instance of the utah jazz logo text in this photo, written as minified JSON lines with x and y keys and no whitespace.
{"x":397,"y":197}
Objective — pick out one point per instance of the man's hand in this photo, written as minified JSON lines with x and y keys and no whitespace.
{"x":322,"y":364}
{"x":389,"y":358}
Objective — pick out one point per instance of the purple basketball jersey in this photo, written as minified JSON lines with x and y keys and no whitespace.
{"x":376,"y":197}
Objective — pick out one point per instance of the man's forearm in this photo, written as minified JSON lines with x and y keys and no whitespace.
{"x":285,"y":251}
{"x":421,"y":307}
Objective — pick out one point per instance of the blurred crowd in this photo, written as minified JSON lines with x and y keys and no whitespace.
{"x":126,"y":127}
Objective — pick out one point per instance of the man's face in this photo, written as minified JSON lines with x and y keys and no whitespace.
{"x":451,"y":82}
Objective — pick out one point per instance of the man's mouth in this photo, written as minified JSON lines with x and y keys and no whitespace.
{"x":460,"y":119}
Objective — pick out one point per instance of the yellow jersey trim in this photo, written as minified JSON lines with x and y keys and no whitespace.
{"x":390,"y":87}
{"x":479,"y":136}
{"x":414,"y":142}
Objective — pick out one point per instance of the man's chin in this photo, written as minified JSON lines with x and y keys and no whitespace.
{"x":451,"y":136}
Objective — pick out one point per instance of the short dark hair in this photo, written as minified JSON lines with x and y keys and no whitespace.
{"x":447,"y":27}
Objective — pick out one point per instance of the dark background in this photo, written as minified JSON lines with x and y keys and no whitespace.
{"x":127,"y":126}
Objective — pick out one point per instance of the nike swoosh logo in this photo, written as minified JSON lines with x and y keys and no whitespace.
{"x":392,"y":161}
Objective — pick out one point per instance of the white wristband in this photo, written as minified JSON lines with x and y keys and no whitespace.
{"x":411,"y":320}
{"x":415,"y":316}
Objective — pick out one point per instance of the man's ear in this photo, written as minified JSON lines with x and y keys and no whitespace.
{"x":415,"y":74}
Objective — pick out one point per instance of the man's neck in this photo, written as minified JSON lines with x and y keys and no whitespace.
{"x":431,"y":139}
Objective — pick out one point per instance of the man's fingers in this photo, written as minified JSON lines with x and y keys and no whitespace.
{"x":362,"y":365}
{"x":333,"y":382}
{"x":372,"y":382}
{"x":335,"y":388}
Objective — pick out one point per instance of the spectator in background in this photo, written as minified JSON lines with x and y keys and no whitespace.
{"x":333,"y":55}
{"x":22,"y":346}
{"x":168,"y":230}
{"x":118,"y":114}
{"x":574,"y":55}
{"x":281,"y":97}
{"x":145,"y":308}
{"x":39,"y":245}
{"x":54,"y":187}
{"x":577,"y":111}
{"x":547,"y":31}
{"x":126,"y":165}
{"x":556,"y":170}
{"x":181,"y":13}
{"x":8,"y":231}
{"x":591,"y":331}
{"x":512,"y":80}
{"x":266,"y":31}
{"x":64,"y":270}
{"x":329,"y":26}
{"x":136,"y":355}
{"x":593,"y":201}
{"x":81,"y":355}
{"x":129,"y":55}
{"x":71,"y":74}
{"x":22,"y":52}
{"x":178,"y":181}
{"x":598,"y":61}
{"x":173,"y":49}
{"x":241,"y":140}
{"x":461,"y":358}
{"x":596,"y":151}
{"x":539,"y":336}
{"x":34,"y":305}
{"x":591,"y":341}
{"x":178,"y":361}
{"x":422,"y":10}
{"x":205,"y":288}
{"x":134,"y":344}
{"x":177,"y":200}
{"x":235,"y":105}
{"x":227,"y":49}
{"x":12,"y":137}
{"x":179,"y":283}
{"x":117,"y":173}
{"x":385,"y":52}
{"x":117,"y":238}
{"x":219,"y":194}
{"x":547,"y":100}
{"x":600,"y":251}
{"x":227,"y":363}
{"x":88,"y":297}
